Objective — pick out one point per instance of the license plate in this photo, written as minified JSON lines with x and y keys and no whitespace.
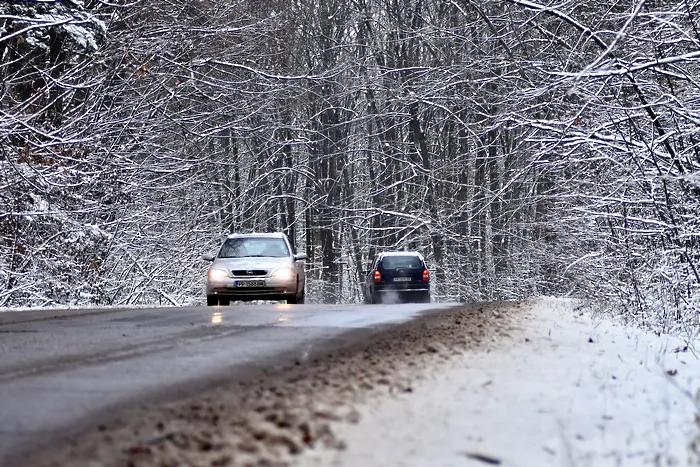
{"x":250,"y":283}
{"x":402,"y":279}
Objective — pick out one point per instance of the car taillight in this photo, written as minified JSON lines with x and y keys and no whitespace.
{"x":426,"y":275}
{"x":377,"y":276}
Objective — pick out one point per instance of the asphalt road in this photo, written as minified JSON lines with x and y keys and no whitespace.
{"x":60,"y":371}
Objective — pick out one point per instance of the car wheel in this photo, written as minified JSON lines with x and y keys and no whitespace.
{"x":297,"y":299}
{"x":212,"y":300}
{"x":426,"y":298}
{"x":375,"y":299}
{"x":224,"y":301}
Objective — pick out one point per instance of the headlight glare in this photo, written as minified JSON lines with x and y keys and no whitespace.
{"x":287,"y":273}
{"x":217,"y":274}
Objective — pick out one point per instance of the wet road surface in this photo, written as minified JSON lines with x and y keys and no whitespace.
{"x":60,"y":371}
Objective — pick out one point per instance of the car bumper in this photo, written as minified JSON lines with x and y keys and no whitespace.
{"x":394,"y":288}
{"x":404,"y":292}
{"x":269,"y":287}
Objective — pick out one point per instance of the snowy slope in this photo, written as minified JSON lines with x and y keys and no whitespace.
{"x":567,"y":389}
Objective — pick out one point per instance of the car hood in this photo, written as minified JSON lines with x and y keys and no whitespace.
{"x":252,"y":263}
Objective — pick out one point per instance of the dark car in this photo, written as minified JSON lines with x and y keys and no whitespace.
{"x":398,"y":276}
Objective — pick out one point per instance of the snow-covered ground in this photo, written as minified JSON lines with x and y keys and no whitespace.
{"x":566,"y":390}
{"x":52,"y":308}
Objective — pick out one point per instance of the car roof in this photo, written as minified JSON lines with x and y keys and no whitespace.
{"x":258,"y":234}
{"x":400,"y":253}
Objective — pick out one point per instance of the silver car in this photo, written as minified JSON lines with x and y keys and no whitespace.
{"x":258,"y":266}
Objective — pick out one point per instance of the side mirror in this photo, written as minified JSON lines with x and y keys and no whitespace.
{"x":208,"y":257}
{"x":300,"y":256}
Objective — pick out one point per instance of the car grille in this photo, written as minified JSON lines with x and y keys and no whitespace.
{"x":249,"y":272}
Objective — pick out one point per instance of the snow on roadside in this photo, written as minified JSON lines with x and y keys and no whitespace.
{"x":567,"y":389}
{"x":50,"y":308}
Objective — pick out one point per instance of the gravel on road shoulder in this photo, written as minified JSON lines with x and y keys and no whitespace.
{"x":270,"y":418}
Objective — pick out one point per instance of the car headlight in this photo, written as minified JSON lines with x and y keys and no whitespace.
{"x":217,"y":274}
{"x":287,"y":273}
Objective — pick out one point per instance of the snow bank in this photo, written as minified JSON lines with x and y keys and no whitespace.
{"x":76,"y":308}
{"x":567,"y":389}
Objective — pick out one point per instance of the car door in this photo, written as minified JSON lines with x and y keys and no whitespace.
{"x":299,"y":266}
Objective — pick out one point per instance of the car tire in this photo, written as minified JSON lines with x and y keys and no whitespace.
{"x":224,"y":301}
{"x":375,"y":299}
{"x":425,"y":298}
{"x":212,"y":300}
{"x":297,"y":299}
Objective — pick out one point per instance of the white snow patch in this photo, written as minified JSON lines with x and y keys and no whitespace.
{"x":84,"y":37}
{"x":40,"y":205}
{"x":624,"y":399}
{"x":97,"y":231}
{"x":74,"y":307}
{"x":84,"y":29}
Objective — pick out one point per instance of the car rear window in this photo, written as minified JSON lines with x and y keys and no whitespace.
{"x":397,"y":262}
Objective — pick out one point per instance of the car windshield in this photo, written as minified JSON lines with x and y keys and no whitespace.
{"x":397,"y":262}
{"x":245,"y":247}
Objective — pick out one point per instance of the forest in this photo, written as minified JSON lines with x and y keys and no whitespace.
{"x":524,"y":147}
